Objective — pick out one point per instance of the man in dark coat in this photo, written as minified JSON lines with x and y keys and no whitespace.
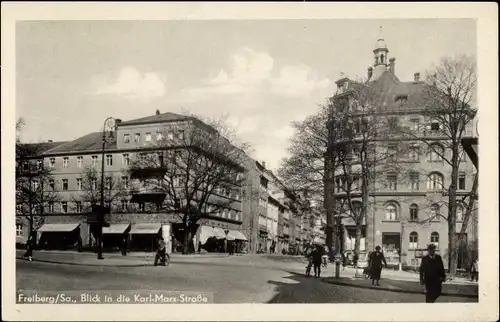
{"x":432,"y":274}
{"x":375,"y":265}
{"x":317,"y":255}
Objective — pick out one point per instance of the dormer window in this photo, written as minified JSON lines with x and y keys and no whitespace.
{"x":401,"y":99}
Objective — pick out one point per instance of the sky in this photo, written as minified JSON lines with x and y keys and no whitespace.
{"x":260,"y":74}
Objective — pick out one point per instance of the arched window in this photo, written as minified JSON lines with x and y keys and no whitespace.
{"x":435,"y":181}
{"x":435,"y":239}
{"x":413,"y":212}
{"x":436,"y":152}
{"x":391,"y":212}
{"x":382,"y":58}
{"x":413,"y":240}
{"x":435,"y":211}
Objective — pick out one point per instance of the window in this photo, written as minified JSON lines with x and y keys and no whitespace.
{"x":93,"y":183}
{"x":125,"y":204}
{"x":415,"y":125}
{"x":414,"y":180}
{"x":148,"y":137}
{"x":159,"y":136}
{"x":125,"y":159}
{"x":19,"y":230}
{"x":65,"y":162}
{"x":126,"y":138}
{"x":108,"y":183}
{"x":413,"y":240}
{"x":125,"y":182}
{"x":436,"y":153}
{"x":79,"y":162}
{"x":435,"y":212}
{"x":109,"y":160}
{"x":392,"y":181}
{"x":64,"y":207}
{"x":52,"y":162}
{"x":78,"y":183}
{"x":137,"y":137}
{"x":435,"y":125}
{"x":413,"y":212}
{"x":65,"y":184}
{"x":94,"y":160}
{"x":414,"y":153}
{"x":36,"y":184}
{"x":401,"y":99}
{"x":39,"y":164}
{"x":51,"y":207}
{"x":357,"y":126}
{"x":435,"y":181}
{"x":170,"y":135}
{"x":435,"y":239}
{"x":461,"y":181}
{"x":392,"y":150}
{"x":78,"y":207}
{"x":180,"y":134}
{"x":390,"y":212}
{"x":52,"y":185}
{"x":460,"y":212}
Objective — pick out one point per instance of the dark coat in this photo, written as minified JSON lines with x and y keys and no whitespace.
{"x":377,"y":259}
{"x":432,"y":270}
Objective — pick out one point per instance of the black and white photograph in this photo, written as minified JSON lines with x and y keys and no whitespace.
{"x":296,"y":160}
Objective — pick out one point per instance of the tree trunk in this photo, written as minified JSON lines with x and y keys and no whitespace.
{"x":469,"y":209}
{"x":331,"y":236}
{"x":452,"y":214}
{"x":189,"y":231}
{"x":357,"y":242}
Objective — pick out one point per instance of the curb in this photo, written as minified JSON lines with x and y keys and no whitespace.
{"x":398,"y":290}
{"x":84,"y":264}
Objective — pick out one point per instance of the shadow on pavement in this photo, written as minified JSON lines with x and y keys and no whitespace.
{"x":299,"y":289}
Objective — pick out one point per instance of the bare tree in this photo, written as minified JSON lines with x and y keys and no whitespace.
{"x":196,"y":168}
{"x":447,"y":103}
{"x":32,"y":181}
{"x":90,"y":191}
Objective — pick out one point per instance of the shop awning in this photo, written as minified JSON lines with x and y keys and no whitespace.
{"x":219,"y":233}
{"x":235,"y":235}
{"x":145,"y":229}
{"x":58,"y":227}
{"x":115,"y":229}
{"x":205,"y":233}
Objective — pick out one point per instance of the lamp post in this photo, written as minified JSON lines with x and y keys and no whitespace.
{"x":109,"y":123}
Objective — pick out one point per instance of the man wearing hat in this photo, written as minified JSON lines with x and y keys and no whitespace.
{"x":432,"y":274}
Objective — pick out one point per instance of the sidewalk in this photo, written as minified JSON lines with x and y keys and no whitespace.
{"x":133,"y":259}
{"x":403,"y":282}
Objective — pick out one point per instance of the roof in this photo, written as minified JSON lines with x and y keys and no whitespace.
{"x":36,"y":149}
{"x":157,"y":118}
{"x":92,"y":141}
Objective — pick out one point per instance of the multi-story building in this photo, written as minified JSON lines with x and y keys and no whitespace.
{"x":141,"y":219}
{"x":404,"y":204}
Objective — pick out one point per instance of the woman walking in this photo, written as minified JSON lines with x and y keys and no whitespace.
{"x":376,"y":260}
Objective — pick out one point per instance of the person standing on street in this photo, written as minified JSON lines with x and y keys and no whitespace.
{"x":432,"y":274}
{"x":30,"y":244}
{"x":124,"y":245}
{"x":317,"y":258}
{"x":376,"y":259}
{"x":474,"y":271}
{"x":161,"y":252}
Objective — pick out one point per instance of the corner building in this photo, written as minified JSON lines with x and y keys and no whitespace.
{"x":402,"y":202}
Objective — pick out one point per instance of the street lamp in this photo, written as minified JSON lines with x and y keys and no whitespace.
{"x":109,"y":124}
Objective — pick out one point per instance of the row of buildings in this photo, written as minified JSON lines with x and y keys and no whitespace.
{"x":261,"y":214}
{"x":408,"y":194}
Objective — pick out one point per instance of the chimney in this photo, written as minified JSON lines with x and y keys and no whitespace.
{"x":370,"y":72}
{"x":157,"y":112}
{"x":264,"y":164}
{"x":392,"y":65}
{"x":416,"y":77}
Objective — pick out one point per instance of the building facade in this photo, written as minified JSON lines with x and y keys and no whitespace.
{"x":405,"y":203}
{"x":141,"y":222}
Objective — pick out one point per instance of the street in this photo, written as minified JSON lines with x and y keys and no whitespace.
{"x":237,"y":279}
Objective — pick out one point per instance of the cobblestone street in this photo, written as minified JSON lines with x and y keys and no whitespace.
{"x":238,"y":279}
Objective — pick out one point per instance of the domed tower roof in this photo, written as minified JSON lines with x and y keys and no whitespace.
{"x":380,"y":44}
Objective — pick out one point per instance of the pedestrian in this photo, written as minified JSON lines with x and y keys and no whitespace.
{"x":317,"y":255}
{"x":161,"y":252}
{"x":308,"y":255}
{"x":79,"y":244}
{"x":124,"y":245}
{"x":375,"y":265}
{"x":432,"y":274}
{"x":30,"y":244}
{"x":474,"y":270}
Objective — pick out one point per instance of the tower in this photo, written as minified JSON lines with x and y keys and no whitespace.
{"x":380,"y":53}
